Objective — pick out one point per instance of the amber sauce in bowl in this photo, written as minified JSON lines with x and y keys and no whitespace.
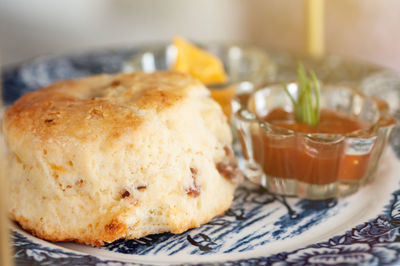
{"x":333,"y":158}
{"x":321,"y":164}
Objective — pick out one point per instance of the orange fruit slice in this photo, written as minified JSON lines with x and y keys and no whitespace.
{"x":200,"y":64}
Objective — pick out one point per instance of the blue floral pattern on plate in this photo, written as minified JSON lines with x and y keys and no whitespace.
{"x":256,"y":219}
{"x":373,"y":243}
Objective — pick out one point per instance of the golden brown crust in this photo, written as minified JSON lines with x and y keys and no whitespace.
{"x":112,"y":231}
{"x":77,"y":108}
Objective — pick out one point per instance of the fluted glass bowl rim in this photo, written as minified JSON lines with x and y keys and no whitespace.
{"x":368,"y":132}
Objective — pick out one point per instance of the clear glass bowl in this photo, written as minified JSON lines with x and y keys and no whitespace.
{"x":310,"y":165}
{"x":243,"y":64}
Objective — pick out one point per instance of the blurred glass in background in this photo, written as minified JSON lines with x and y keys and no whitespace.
{"x":362,"y":29}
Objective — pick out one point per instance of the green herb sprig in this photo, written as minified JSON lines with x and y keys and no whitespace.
{"x":306,"y":104}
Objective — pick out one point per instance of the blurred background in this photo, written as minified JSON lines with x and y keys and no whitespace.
{"x":362,"y":29}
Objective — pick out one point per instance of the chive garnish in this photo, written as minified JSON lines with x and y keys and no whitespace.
{"x":306,"y":104}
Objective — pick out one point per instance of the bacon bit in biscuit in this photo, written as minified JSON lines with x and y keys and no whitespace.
{"x":228,"y":151}
{"x":142,"y":187}
{"x":115,"y":228}
{"x":194,"y":172}
{"x":18,"y":159}
{"x":194,"y":190}
{"x":125,"y":194}
{"x":79,"y":182}
{"x":111,"y":227}
{"x":229,"y":169}
{"x":115,"y":83}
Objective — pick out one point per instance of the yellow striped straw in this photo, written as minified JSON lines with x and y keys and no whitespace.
{"x":315,"y":38}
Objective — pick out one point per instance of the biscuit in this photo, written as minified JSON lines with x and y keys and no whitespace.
{"x":118,"y":156}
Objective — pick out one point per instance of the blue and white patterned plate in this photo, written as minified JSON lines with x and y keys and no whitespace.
{"x":259,"y":228}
